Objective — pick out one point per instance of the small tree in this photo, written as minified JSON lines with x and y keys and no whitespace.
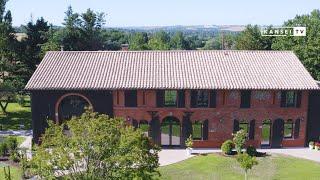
{"x":246,"y":162}
{"x":95,"y":147}
{"x":239,"y":140}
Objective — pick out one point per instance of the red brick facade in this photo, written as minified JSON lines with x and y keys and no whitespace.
{"x":264,"y":105}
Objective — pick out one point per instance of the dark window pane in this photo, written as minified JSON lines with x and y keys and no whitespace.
{"x":245,"y":99}
{"x":130,"y":98}
{"x":72,"y":106}
{"x":202,"y":98}
{"x":170,"y":98}
{"x":291,"y":98}
{"x":288,"y":127}
{"x":244,"y":126}
{"x":197,"y":130}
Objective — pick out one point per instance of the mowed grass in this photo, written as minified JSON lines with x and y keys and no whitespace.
{"x":17,"y":115}
{"x":215,"y":166}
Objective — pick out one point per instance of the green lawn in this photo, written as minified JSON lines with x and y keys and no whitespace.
{"x":14,"y":171}
{"x":16,"y":115}
{"x":215,"y":166}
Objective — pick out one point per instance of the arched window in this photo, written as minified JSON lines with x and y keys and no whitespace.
{"x":72,"y":105}
{"x":288,"y":129}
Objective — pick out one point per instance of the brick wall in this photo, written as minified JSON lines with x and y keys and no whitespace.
{"x":264,"y":105}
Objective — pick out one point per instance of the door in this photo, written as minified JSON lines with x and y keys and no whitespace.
{"x":170,"y":132}
{"x":266,"y":133}
{"x":277,"y":133}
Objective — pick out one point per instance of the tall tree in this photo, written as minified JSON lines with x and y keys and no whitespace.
{"x":251,"y":39}
{"x":36,"y":37}
{"x":138,"y":41}
{"x":159,"y":41}
{"x":178,"y":41}
{"x":306,"y":48}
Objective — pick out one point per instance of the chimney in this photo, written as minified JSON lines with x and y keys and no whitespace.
{"x":124,"y":47}
{"x":61,"y":47}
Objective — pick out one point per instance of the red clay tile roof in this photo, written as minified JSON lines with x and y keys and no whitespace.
{"x":171,"y":70}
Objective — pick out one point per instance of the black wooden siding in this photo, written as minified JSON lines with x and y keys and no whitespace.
{"x":43,"y":106}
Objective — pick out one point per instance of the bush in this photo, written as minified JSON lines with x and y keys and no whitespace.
{"x":189,"y":142}
{"x":251,"y":151}
{"x":12,"y":143}
{"x":14,"y":156}
{"x":227,"y":147}
{"x":3,"y":149}
{"x":239,"y":140}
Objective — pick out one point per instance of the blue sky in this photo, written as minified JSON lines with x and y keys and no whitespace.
{"x":167,"y":12}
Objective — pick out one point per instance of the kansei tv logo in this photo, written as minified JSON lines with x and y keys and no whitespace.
{"x":284,"y":31}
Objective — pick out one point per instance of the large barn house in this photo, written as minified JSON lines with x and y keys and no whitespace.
{"x":172,"y":94}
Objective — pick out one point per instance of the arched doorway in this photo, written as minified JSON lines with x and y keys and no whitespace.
{"x":277,"y":133}
{"x":71,"y":105}
{"x":170,"y":132}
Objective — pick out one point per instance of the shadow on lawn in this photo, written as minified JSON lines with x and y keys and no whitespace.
{"x":17,"y":118}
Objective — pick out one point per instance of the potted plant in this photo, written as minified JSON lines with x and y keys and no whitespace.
{"x":317,"y":146}
{"x":311,"y":145}
{"x":189,"y":145}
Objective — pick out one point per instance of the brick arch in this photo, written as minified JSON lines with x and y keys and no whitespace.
{"x":64,"y":96}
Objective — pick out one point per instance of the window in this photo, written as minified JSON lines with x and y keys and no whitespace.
{"x":197,"y":130}
{"x":245,"y":99}
{"x":130,"y":97}
{"x":170,"y":98}
{"x":202,"y":98}
{"x":288,"y":129}
{"x":244,"y":126}
{"x":290,"y":99}
{"x":200,"y":130}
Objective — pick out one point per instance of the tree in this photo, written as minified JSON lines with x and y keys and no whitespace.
{"x":36,"y":37}
{"x":239,"y":140}
{"x":95,"y":146}
{"x":159,"y":41}
{"x":306,"y":48}
{"x":138,"y":41}
{"x":246,"y":162}
{"x":179,"y":42}
{"x":251,"y":39}
{"x":113,"y":39}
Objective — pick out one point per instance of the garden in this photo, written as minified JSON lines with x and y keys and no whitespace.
{"x":237,"y":162}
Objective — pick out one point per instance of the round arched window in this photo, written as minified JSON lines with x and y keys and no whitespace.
{"x":72,"y":105}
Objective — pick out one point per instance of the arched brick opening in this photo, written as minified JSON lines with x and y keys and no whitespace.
{"x":65,"y":96}
{"x":170,"y":131}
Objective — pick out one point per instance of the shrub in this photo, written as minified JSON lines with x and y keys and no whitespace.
{"x":251,"y":151}
{"x":239,"y":140}
{"x":3,"y":149}
{"x":227,"y":147}
{"x":14,"y":156}
{"x":12,"y":143}
{"x":189,"y":142}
